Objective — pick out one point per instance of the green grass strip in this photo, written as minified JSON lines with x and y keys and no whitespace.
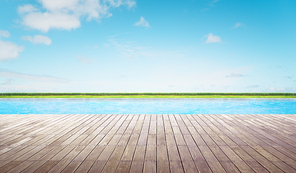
{"x":147,"y":95}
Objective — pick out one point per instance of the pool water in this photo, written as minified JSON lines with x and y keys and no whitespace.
{"x":147,"y":106}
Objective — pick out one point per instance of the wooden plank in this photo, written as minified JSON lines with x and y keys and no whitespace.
{"x":132,"y":124}
{"x":270,"y":157}
{"x":96,"y":140}
{"x":85,"y":166}
{"x":14,"y":154}
{"x":150,"y":153}
{"x":97,"y":166}
{"x":176,"y":167}
{"x":43,"y":159}
{"x":9,"y":166}
{"x":149,"y":167}
{"x":71,"y":167}
{"x":23,"y":165}
{"x":62,"y":164}
{"x":95,"y":153}
{"x":199,"y":160}
{"x":106,"y":153}
{"x":139,"y":153}
{"x":152,"y":143}
{"x":184,"y":153}
{"x":211,"y":159}
{"x":114,"y":160}
{"x":173,"y":153}
{"x":240,"y":164}
{"x":160,"y":131}
{"x":46,"y":166}
{"x":263,"y":161}
{"x":137,"y":166}
{"x":249,"y":160}
{"x":30,"y":153}
{"x":124,"y":139}
{"x":151,"y":139}
{"x":189,"y":167}
{"x":143,"y":136}
{"x":123,"y":167}
{"x":163,"y":166}
{"x":227,"y":158}
{"x":152,"y":127}
{"x":84,"y":153}
{"x":162,"y":153}
{"x":167,"y":125}
{"x":128,"y":153}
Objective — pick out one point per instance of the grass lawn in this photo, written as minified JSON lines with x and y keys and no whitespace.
{"x":147,"y":95}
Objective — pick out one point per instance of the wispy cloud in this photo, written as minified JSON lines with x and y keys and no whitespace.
{"x":66,"y":14}
{"x":7,"y":82}
{"x":236,"y":75}
{"x":253,"y":86}
{"x":128,"y":50}
{"x":238,"y":24}
{"x":4,"y":34}
{"x":40,"y":78}
{"x":212,"y":38}
{"x":211,"y":4}
{"x":38,"y":39}
{"x":132,"y":51}
{"x":85,"y":60}
{"x":277,"y":89}
{"x":8,"y":50}
{"x":142,"y":22}
{"x":280,"y":67}
{"x":123,"y":76}
{"x":219,"y":78}
{"x":214,"y":1}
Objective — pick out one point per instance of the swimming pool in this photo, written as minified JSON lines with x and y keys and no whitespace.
{"x":147,"y":106}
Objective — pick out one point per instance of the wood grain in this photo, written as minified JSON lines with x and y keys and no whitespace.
{"x":148,"y":143}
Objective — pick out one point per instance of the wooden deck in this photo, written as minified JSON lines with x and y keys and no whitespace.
{"x":148,"y":143}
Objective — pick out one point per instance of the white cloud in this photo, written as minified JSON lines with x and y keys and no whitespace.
{"x":7,"y":82}
{"x":117,"y":3}
{"x":142,"y":22}
{"x":46,"y":21}
{"x":253,"y":86}
{"x":53,"y":5}
{"x":26,"y":9}
{"x":212,"y":38}
{"x":4,"y":33}
{"x":9,"y":50}
{"x":85,"y":60}
{"x":238,"y":24}
{"x":38,"y":39}
{"x":44,"y":78}
{"x":214,"y":1}
{"x":276,"y":89}
{"x":66,"y":14}
{"x":131,"y":3}
{"x":22,"y":82}
{"x":236,"y":75}
{"x":133,"y":51}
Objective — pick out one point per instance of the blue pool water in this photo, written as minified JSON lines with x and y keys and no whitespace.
{"x":147,"y":106}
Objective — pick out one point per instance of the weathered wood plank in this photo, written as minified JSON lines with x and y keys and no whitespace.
{"x":148,"y":143}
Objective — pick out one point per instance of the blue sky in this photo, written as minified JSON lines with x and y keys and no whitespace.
{"x":147,"y":46}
